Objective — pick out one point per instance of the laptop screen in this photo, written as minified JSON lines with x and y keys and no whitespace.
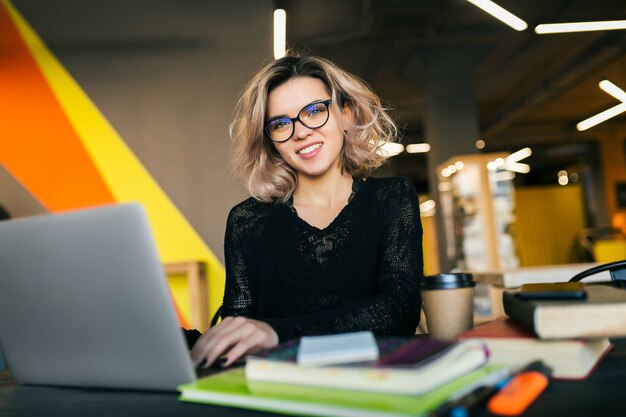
{"x":84,"y":302}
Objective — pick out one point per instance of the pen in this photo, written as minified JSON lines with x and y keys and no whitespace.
{"x":523,"y":388}
{"x":479,"y":396}
{"x":473,"y":395}
{"x":496,"y":377}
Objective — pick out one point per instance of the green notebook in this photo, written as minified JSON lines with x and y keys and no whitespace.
{"x":230,"y":388}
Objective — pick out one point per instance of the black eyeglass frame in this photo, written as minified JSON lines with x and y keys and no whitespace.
{"x":327,"y":103}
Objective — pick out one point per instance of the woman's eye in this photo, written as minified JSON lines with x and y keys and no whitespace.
{"x":279,"y":124}
{"x":315,"y":110}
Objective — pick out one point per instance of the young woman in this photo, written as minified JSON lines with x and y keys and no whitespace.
{"x":319,"y":248}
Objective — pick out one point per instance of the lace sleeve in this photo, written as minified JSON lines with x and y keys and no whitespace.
{"x":239,"y":288}
{"x":395,"y":309}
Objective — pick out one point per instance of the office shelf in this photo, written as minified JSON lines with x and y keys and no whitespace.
{"x":478,"y":206}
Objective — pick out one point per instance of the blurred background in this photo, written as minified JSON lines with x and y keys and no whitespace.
{"x":505,"y":177}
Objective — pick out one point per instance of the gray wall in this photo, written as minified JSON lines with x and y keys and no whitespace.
{"x":166,"y":74}
{"x":15,"y":199}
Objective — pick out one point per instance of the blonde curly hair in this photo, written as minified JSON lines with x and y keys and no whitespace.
{"x":255,"y":159}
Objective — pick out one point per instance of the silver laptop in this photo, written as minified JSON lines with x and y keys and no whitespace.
{"x":84,"y":302}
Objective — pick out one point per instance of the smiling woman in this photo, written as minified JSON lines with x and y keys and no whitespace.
{"x":315,"y":147}
{"x":319,"y":248}
{"x":355,"y":108}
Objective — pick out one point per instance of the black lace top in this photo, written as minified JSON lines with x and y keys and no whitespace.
{"x":362,"y":272}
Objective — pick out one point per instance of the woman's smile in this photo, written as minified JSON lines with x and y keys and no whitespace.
{"x":310,"y":151}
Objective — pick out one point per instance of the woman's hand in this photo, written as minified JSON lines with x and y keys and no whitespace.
{"x":233,"y":338}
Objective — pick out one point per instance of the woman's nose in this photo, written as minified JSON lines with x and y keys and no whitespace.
{"x":300,"y":131}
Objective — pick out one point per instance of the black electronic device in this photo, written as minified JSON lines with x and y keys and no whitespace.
{"x":617,"y":270}
{"x":553,"y":291}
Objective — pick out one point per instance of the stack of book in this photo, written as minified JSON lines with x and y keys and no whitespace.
{"x":570,"y":336}
{"x":411,"y":377}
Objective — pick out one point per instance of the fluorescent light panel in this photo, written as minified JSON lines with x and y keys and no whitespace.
{"x":519,"y":155}
{"x":280,"y":33}
{"x":428,"y":205}
{"x":500,"y":13}
{"x":418,"y":148}
{"x":601,"y":117}
{"x":612,"y":89}
{"x":389,"y":149}
{"x":518,"y":167}
{"x":580,"y":26}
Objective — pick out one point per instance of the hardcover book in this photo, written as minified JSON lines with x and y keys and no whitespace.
{"x":230,"y":388}
{"x":602,"y":314}
{"x":512,"y":278}
{"x":512,"y":345}
{"x":406,"y":365}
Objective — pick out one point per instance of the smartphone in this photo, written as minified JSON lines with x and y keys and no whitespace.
{"x":553,"y":291}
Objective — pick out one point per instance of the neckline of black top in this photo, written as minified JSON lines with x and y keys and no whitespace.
{"x":356,"y":186}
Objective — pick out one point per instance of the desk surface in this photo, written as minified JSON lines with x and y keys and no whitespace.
{"x":602,"y":394}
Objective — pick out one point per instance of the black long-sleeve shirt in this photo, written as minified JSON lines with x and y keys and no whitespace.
{"x":361,"y":272}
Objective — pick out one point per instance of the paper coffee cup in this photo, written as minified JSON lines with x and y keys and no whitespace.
{"x":448,"y":301}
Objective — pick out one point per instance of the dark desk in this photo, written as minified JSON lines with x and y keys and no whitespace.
{"x":603,"y":394}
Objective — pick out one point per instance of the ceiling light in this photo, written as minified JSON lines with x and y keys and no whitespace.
{"x":612,"y":89}
{"x":580,"y":26}
{"x":601,"y":117}
{"x":389,"y":149}
{"x":519,"y":155}
{"x":480,"y":144}
{"x":418,"y":148}
{"x":500,"y":13}
{"x":616,"y":92}
{"x":280,"y":33}
{"x":518,"y":167}
{"x":427,"y":206}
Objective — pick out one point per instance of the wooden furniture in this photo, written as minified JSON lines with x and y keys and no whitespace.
{"x":195,"y":271}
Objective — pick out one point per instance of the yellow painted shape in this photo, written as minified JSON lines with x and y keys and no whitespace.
{"x":180,"y":294}
{"x":611,"y":250}
{"x":121,"y":170}
{"x":613,"y":171}
{"x":429,"y":245}
{"x":549,"y":220}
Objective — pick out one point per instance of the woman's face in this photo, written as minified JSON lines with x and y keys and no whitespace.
{"x":311,"y":152}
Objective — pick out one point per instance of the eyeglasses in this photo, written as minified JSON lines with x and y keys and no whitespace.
{"x":313,"y":116}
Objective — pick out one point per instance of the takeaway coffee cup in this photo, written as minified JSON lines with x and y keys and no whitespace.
{"x":448,"y":301}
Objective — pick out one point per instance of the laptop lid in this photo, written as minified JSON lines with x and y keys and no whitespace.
{"x":84,"y":302}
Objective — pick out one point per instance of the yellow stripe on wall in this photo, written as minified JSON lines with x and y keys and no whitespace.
{"x":121,"y":170}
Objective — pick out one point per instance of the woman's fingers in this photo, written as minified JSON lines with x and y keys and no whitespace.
{"x":252,"y":342}
{"x":214,"y":342}
{"x":233,"y":337}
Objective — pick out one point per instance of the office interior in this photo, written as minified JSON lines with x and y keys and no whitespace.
{"x":157,"y":81}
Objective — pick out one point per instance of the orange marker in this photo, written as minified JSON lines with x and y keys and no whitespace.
{"x":521,"y":391}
